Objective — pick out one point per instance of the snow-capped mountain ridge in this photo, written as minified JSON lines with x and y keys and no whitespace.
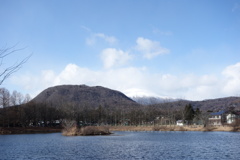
{"x":148,"y":100}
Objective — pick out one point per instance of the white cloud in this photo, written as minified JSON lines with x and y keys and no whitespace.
{"x":149,"y":48}
{"x":94,"y":37}
{"x":134,"y":81}
{"x":73,"y":74}
{"x":232,"y":79}
{"x":112,"y":57}
{"x":136,"y":92}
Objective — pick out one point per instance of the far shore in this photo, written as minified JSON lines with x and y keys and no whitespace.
{"x":176,"y":128}
{"x":28,"y":130}
{"x":33,"y":130}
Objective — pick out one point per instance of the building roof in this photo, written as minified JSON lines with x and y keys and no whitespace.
{"x":217,"y":113}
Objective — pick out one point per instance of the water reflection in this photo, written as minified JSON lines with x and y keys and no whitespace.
{"x":122,"y":145}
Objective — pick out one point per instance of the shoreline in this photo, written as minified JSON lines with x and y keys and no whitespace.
{"x":176,"y":128}
{"x":35,"y":130}
{"x":28,"y":130}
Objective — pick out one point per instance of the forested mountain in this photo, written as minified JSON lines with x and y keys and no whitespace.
{"x":218,"y":104}
{"x":205,"y":105}
{"x":98,"y":105}
{"x":82,"y":95}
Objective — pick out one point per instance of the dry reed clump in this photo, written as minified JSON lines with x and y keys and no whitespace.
{"x":236,"y":126}
{"x":209,"y":128}
{"x":171,"y":129}
{"x":71,"y":129}
{"x":94,"y":130}
{"x":163,"y":128}
{"x":235,"y":129}
{"x":70,"y":132}
{"x":176,"y":128}
{"x":86,"y":131}
{"x":182,"y":129}
{"x":159,"y":128}
{"x":131,"y":128}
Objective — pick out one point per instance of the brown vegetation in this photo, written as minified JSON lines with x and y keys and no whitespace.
{"x":173,"y":128}
{"x":86,"y":131}
{"x":236,"y":126}
{"x":94,"y":130}
{"x":28,"y":130}
{"x":70,"y":129}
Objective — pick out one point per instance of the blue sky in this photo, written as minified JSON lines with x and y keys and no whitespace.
{"x":176,"y":48}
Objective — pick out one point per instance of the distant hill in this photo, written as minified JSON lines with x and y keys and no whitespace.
{"x":205,"y":105}
{"x":150,"y":100}
{"x":218,"y":104}
{"x":82,"y":95}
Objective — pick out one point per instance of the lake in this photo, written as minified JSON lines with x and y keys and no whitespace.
{"x":122,"y":145}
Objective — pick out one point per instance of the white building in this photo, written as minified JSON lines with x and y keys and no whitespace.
{"x":180,"y":123}
{"x":232,"y":116}
{"x":222,"y":117}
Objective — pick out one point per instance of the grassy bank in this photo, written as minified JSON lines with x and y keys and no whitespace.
{"x":29,"y":130}
{"x":86,"y":131}
{"x":175,"y":128}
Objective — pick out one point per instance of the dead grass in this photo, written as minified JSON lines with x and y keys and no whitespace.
{"x":29,"y":130}
{"x":131,"y":128}
{"x":70,"y":131}
{"x":174,"y":128}
{"x":236,"y":126}
{"x":94,"y":130}
{"x":86,"y":131}
{"x":209,"y":128}
{"x":159,"y":128}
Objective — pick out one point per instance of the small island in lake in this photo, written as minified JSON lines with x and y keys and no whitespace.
{"x":71,"y":129}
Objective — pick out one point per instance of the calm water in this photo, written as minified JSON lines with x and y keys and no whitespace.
{"x":122,"y":145}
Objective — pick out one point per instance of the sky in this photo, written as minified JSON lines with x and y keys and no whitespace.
{"x":176,"y":48}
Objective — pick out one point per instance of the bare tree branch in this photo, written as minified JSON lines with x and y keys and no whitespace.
{"x":6,"y":72}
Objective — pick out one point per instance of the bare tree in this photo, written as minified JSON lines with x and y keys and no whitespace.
{"x":4,"y":97}
{"x":6,"y":71}
{"x":27,"y":98}
{"x":20,"y":98}
{"x":16,"y":98}
{"x":4,"y":102}
{"x":13,"y":98}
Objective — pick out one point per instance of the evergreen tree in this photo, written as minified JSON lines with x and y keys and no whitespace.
{"x":197,"y":116}
{"x":188,"y":113}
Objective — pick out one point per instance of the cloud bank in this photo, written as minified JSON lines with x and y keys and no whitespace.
{"x":135,"y":81}
{"x":132,"y":81}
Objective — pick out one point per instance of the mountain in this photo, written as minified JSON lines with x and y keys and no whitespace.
{"x":218,"y":104}
{"x":82,"y":95}
{"x":150,"y":100}
{"x":205,"y":105}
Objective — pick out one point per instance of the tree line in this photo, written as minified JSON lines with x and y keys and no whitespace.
{"x":17,"y":110}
